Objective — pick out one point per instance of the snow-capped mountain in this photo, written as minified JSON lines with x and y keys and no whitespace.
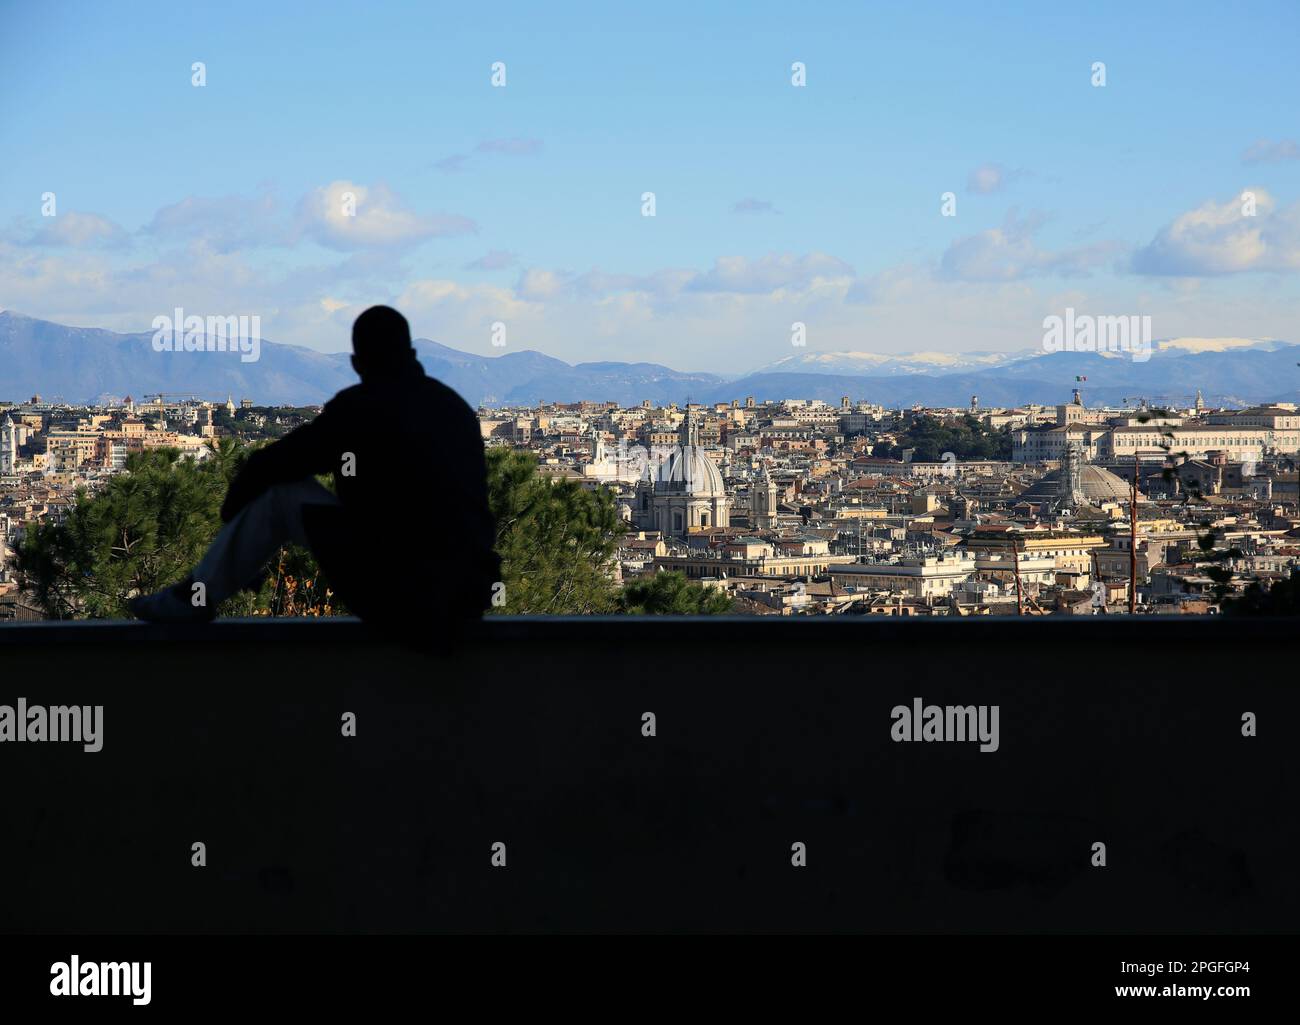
{"x":884,"y":364}
{"x":77,"y":364}
{"x":880,"y":364}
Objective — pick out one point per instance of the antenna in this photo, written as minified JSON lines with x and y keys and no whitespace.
{"x":1015,"y":564}
{"x":1132,"y":542}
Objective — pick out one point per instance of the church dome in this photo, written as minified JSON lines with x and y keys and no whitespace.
{"x":690,"y":471}
{"x":1096,"y":483}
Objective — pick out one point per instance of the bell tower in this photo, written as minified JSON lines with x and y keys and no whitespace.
{"x":8,"y":446}
{"x":762,"y":500}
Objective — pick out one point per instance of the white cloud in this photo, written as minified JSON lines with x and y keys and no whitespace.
{"x":99,"y":289}
{"x":495,"y":259}
{"x":512,"y":147}
{"x":1009,"y":253}
{"x":380,"y":219}
{"x":76,"y":230}
{"x":728,"y":317}
{"x":1217,"y":238}
{"x":541,"y":284}
{"x":989,"y":178}
{"x":452,"y":164}
{"x":507,"y":147}
{"x":775,"y":271}
{"x":781,"y":275}
{"x":225,"y":223}
{"x":1267,"y":152}
{"x":373,"y":219}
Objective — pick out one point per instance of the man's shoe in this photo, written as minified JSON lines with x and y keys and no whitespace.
{"x":173,"y":605}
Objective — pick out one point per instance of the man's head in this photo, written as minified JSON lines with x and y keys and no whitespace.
{"x":381,"y":342}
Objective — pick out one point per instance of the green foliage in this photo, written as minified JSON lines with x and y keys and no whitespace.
{"x":1282,"y":599}
{"x":556,"y":539}
{"x":246,"y":431}
{"x":148,"y":527}
{"x":966,"y":438}
{"x":671,"y":594}
{"x":143,"y":531}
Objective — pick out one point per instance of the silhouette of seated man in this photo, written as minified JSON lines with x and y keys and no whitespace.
{"x":406,"y":540}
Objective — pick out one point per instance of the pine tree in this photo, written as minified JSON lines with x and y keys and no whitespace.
{"x":671,"y":594}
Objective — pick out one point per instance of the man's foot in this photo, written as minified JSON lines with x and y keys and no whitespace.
{"x":173,"y":605}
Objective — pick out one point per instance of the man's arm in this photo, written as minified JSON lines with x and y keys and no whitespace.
{"x":303,"y":452}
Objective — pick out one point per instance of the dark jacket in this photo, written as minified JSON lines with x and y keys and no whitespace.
{"x":411,"y":544}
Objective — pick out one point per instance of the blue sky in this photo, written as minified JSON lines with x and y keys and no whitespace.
{"x":774,"y":204}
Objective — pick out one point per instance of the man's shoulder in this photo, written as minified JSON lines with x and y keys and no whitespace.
{"x":440,"y":392}
{"x":347,"y":397}
{"x":428,"y":391}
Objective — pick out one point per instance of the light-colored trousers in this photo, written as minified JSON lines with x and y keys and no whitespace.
{"x":244,"y":544}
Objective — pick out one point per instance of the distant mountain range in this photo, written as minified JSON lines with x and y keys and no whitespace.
{"x":879,"y":364}
{"x":85,"y":364}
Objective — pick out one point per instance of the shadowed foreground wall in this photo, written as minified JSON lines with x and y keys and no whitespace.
{"x":769,"y":733}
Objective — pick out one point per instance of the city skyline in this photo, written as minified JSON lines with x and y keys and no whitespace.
{"x":763,"y":507}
